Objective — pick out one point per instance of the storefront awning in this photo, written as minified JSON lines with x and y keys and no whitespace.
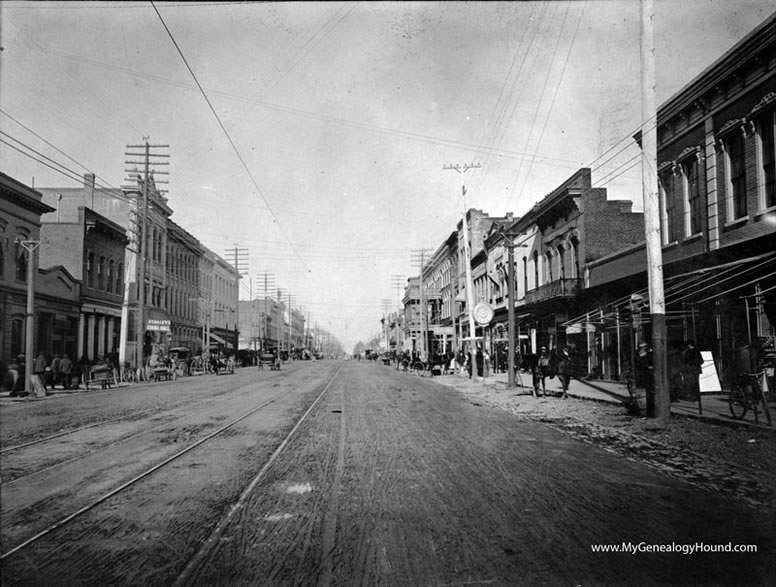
{"x":217,"y":338}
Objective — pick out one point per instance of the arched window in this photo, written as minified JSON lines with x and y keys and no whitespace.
{"x":101,"y":273}
{"x":21,"y":263}
{"x":525,"y":275}
{"x":549,"y":265}
{"x":90,"y":269}
{"x":575,"y":257}
{"x":561,"y":262}
{"x":120,"y":278}
{"x":109,"y":277}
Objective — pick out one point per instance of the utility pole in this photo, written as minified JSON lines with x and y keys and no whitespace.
{"x":29,"y":246}
{"x":461,"y":169}
{"x":510,"y":246}
{"x":662,"y":404}
{"x":267,"y":281}
{"x":398,"y":282}
{"x":146,"y":162}
{"x":239,"y":260}
{"x":290,"y":320}
{"x":386,"y":303}
{"x":419,"y":257}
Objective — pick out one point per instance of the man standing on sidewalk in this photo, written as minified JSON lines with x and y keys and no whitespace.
{"x":564,"y":370}
{"x":66,"y":371}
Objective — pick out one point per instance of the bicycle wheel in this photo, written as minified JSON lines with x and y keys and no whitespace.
{"x":738,"y":401}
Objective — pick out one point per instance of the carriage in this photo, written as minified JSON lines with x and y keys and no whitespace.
{"x":271,"y":358}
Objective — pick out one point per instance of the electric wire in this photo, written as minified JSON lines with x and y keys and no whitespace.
{"x":494,"y":138}
{"x":554,"y":96}
{"x":229,"y":138}
{"x":105,"y":183}
{"x":408,"y":135}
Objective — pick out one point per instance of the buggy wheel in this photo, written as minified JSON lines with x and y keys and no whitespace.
{"x":737,"y":400}
{"x":418,"y":368}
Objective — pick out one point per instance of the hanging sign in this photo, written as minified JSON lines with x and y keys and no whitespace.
{"x":158,"y":325}
{"x":483,"y":313}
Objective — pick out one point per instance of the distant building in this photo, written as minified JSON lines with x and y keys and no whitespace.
{"x":92,"y":249}
{"x":56,"y":290}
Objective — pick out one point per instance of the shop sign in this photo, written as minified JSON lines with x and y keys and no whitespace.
{"x":483,"y":313}
{"x":158,"y":325}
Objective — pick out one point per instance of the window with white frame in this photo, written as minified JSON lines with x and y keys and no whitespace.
{"x":735,"y":165}
{"x":693,"y":203}
{"x":548,"y":256}
{"x":766,"y":160}
{"x":668,"y":194}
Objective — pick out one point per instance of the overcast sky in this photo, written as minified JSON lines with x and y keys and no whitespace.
{"x":343,"y":116}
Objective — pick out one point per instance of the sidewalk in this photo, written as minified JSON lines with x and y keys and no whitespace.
{"x":713,"y":406}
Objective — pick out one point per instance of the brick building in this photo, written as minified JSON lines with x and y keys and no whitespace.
{"x":91,"y":248}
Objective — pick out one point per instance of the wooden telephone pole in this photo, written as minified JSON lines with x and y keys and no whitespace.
{"x":657,"y":307}
{"x":146,"y":161}
{"x":467,"y":255}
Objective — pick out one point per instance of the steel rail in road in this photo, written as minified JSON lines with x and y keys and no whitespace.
{"x":132,"y":416}
{"x":195,"y":563}
{"x":66,"y":520}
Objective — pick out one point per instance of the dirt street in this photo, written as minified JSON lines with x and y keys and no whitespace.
{"x":393,"y":479}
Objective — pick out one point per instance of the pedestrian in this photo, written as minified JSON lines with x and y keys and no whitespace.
{"x":479,"y":359}
{"x":564,"y":370}
{"x":541,"y":369}
{"x":692,"y":362}
{"x":645,"y":367}
{"x":676,"y":370}
{"x":55,"y":371}
{"x":39,"y":369}
{"x":16,"y":372}
{"x":66,"y":371}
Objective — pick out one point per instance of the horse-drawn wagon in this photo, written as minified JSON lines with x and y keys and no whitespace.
{"x":270,"y":358}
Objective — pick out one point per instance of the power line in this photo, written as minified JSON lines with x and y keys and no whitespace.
{"x":555,"y":94}
{"x":229,"y":138}
{"x":408,"y":135}
{"x":57,"y":149}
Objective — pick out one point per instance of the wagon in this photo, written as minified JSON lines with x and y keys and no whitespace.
{"x":271,"y":359}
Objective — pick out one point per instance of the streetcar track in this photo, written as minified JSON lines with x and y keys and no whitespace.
{"x":170,"y":420}
{"x":126,"y":417}
{"x":209,"y":545}
{"x":66,"y":520}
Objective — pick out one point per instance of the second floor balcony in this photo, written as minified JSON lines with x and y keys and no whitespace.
{"x":560,"y":288}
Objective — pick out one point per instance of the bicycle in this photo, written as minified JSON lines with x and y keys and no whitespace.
{"x":747,"y":394}
{"x":127,"y":375}
{"x":419,"y":368}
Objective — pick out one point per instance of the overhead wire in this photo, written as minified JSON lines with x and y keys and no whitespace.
{"x":496,"y":127}
{"x":409,"y":135}
{"x":554,"y":96}
{"x":105,"y":182}
{"x":307,"y":47}
{"x":229,"y":138}
{"x":65,"y":171}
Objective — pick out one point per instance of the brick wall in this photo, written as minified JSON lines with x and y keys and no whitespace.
{"x":64,"y":247}
{"x":608,"y":225}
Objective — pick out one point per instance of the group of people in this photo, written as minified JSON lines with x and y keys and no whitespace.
{"x":558,"y":363}
{"x":685,"y":365}
{"x":48,"y":372}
